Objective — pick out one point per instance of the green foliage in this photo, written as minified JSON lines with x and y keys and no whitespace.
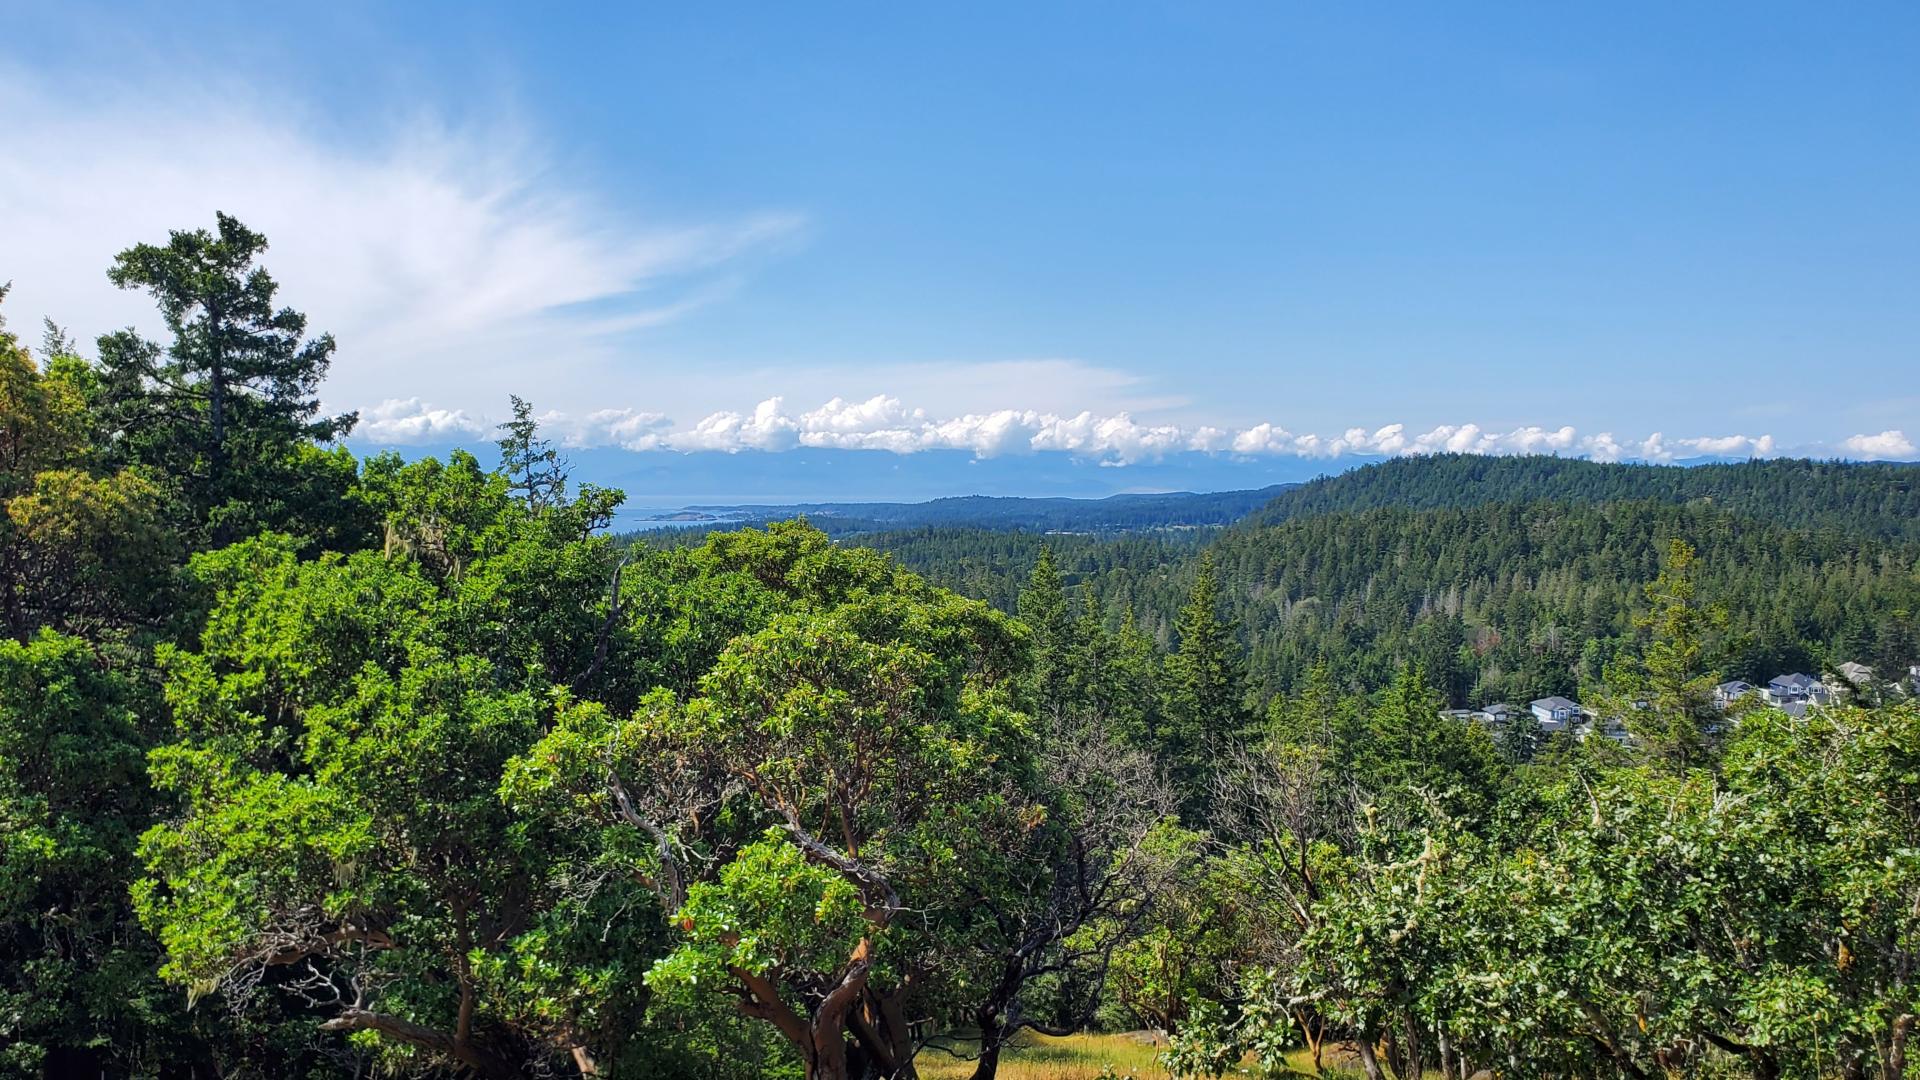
{"x":532,"y":466}
{"x":417,"y":772}
{"x":768,"y":910}
{"x":1043,"y":607}
{"x":81,"y":550}
{"x":76,"y":985}
{"x":345,"y":723}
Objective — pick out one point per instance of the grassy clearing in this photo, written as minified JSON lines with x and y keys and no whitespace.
{"x":1040,"y":1057}
{"x":1081,"y":1057}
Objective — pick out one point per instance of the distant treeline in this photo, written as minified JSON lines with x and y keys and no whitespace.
{"x":1117,"y":513}
{"x":1872,"y":499}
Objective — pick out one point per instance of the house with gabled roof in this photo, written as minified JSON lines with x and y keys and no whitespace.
{"x":1731,"y":691}
{"x":1796,"y":689}
{"x":1860,"y":675}
{"x":1555,"y":713}
{"x":1495,"y":715}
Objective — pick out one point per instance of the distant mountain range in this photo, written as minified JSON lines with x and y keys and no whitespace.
{"x":662,"y":479}
{"x":1115,"y":513}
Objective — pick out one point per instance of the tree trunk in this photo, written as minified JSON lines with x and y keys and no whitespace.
{"x":217,"y":455}
{"x":1896,"y":1067}
{"x":880,"y":1028}
{"x":1314,"y":1034}
{"x":829,"y":1025}
{"x":987,"y":1018}
{"x":988,"y":1066}
{"x":1369,"y":1060}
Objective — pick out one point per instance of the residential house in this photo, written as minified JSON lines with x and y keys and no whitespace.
{"x":1796,"y":689}
{"x":1555,"y":713}
{"x":1495,"y":715}
{"x":1727,"y":693}
{"x":1855,"y":679}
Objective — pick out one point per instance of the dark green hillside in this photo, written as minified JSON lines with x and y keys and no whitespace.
{"x":1503,"y":600}
{"x":992,"y":565}
{"x":1875,"y":499}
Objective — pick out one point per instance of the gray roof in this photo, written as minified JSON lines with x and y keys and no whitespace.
{"x":1555,"y":702}
{"x":1796,"y":681}
{"x":1737,"y":686}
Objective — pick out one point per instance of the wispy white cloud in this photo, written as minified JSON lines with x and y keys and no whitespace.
{"x":444,"y":258}
{"x":885,"y":423}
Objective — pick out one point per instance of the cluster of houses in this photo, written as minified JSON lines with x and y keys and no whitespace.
{"x":1792,"y":694}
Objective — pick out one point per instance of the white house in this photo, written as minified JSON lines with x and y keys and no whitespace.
{"x":1555,"y":713}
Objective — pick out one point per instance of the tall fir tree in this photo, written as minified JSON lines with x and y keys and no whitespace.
{"x":224,"y":409}
{"x":533,"y":467}
{"x":1206,"y":685}
{"x":1665,"y":694}
{"x":1043,"y":607}
{"x":1133,"y":680}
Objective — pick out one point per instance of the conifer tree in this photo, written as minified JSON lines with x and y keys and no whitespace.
{"x":1043,"y":607}
{"x":1665,"y":696}
{"x":533,"y":468}
{"x":1206,"y":683}
{"x":222,"y":409}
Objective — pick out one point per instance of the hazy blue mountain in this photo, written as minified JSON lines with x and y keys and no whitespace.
{"x":656,"y":480}
{"x":1115,"y":513}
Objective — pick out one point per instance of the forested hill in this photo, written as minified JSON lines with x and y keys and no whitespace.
{"x":1116,"y":513}
{"x":1877,"y":499}
{"x":1504,"y":596}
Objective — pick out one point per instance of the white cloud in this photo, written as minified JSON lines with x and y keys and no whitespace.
{"x":409,"y":420}
{"x":1657,"y":447}
{"x":766,"y":428}
{"x":627,"y":428}
{"x":884,"y":423}
{"x":1888,"y":445}
{"x":451,"y":262}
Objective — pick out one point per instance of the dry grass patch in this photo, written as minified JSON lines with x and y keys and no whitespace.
{"x":1041,"y":1057}
{"x":1134,"y":1055}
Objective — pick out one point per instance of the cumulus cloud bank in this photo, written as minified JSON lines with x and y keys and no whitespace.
{"x":884,"y":423}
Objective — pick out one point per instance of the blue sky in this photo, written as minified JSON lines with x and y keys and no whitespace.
{"x":1115,"y":232}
